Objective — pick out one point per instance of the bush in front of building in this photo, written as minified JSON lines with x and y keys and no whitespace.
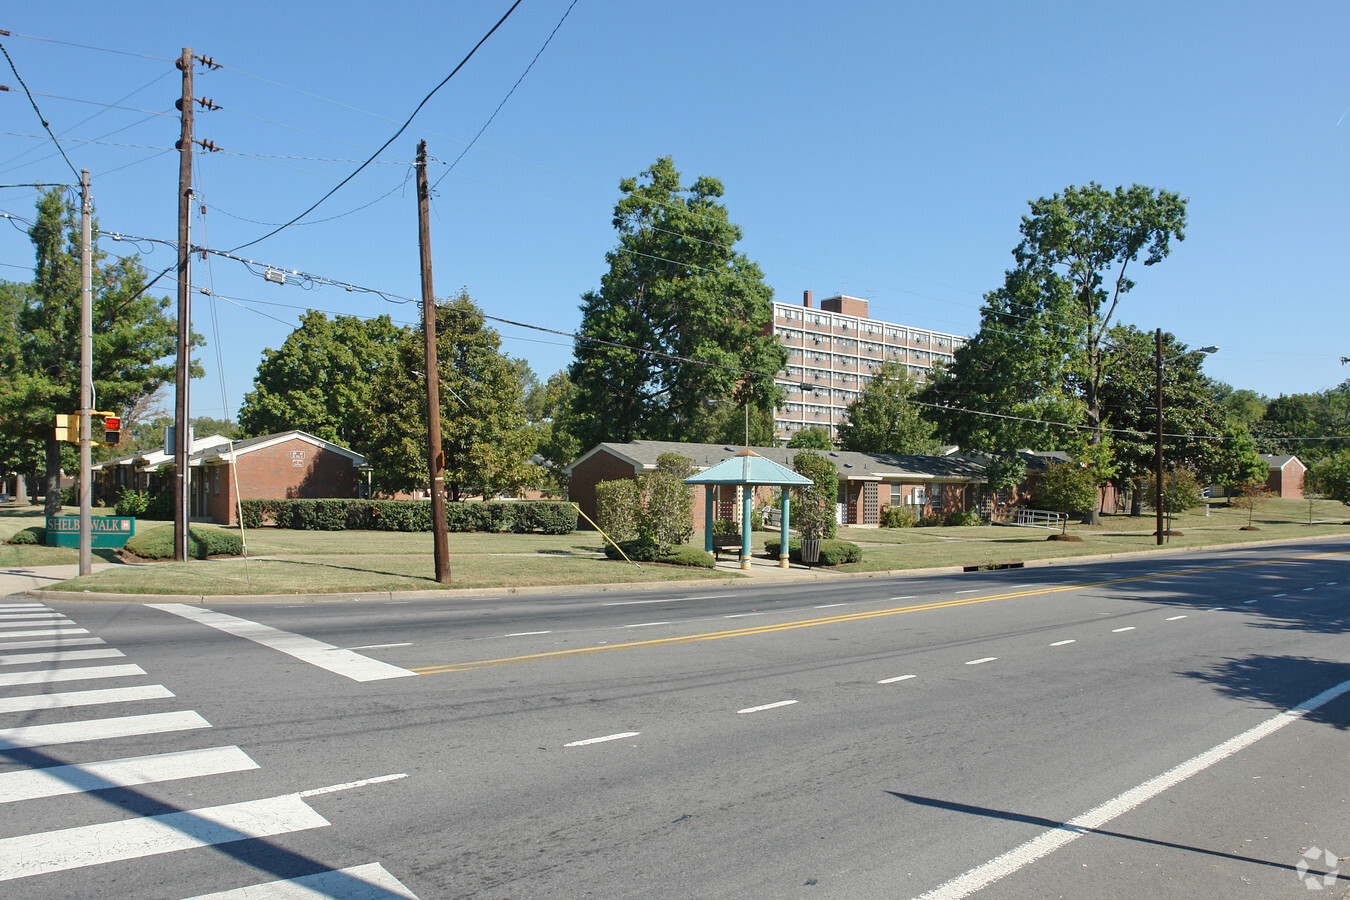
{"x":522,"y":517}
{"x":157,"y":543}
{"x":33,"y":534}
{"x":898,"y":517}
{"x":132,"y":503}
{"x":833,"y":552}
{"x":644,"y":551}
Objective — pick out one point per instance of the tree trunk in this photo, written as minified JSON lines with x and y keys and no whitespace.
{"x":1092,"y":517}
{"x":1137,"y":500}
{"x":20,"y":488}
{"x":52,"y":498}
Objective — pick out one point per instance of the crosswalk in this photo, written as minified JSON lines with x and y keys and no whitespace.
{"x":50,"y":669}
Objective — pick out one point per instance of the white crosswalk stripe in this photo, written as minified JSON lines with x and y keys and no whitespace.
{"x":98,"y":729}
{"x":83,"y":673}
{"x":66,"y":699}
{"x":50,"y":661}
{"x":32,"y":784}
{"x":369,"y":882}
{"x":89,"y":845}
{"x":18,"y":659}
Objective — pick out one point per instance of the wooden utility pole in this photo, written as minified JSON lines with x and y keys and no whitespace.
{"x":183,"y":379}
{"x":435,"y":458}
{"x":86,"y":372}
{"x":1158,"y":455}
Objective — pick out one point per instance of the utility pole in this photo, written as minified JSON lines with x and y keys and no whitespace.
{"x":435,"y":458}
{"x":86,"y":372}
{"x":1158,"y":458}
{"x":183,"y":378}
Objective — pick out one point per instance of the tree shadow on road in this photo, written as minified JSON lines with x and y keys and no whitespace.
{"x":1283,"y":682}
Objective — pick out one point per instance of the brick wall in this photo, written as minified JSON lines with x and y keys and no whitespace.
{"x":293,"y":469}
{"x":600,"y":466}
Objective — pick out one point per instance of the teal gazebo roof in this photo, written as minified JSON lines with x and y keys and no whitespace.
{"x":749,"y":468}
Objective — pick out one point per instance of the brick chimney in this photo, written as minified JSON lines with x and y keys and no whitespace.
{"x":806,"y":299}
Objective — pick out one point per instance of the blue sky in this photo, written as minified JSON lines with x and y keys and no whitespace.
{"x":884,"y":150}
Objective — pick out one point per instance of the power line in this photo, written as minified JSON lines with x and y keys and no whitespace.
{"x":394,"y":137}
{"x":41,"y":117}
{"x":469,"y":147}
{"x":33,"y":37}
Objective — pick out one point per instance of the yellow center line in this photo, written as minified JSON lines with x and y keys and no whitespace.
{"x":841,"y":618}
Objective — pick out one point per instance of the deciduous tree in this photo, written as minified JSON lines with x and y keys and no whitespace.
{"x":883,"y":420}
{"x":680,"y":318}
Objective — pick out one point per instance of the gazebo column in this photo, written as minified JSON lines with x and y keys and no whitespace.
{"x":708,"y":518}
{"x":783,"y":552}
{"x":747,"y":498}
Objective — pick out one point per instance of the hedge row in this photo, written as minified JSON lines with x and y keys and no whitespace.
{"x":157,"y":543}
{"x":550,"y":517}
{"x":832,"y":552}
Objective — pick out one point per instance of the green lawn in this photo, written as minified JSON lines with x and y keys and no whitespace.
{"x":283,"y":561}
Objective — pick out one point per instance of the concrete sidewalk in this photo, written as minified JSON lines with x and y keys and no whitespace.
{"x":21,"y":579}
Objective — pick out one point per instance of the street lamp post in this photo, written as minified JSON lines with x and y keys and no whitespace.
{"x":1158,"y":456}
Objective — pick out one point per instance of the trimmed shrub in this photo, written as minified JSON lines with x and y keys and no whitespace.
{"x":641,"y":551}
{"x":132,"y":503}
{"x":898,"y":517}
{"x":689,"y":556}
{"x":958,"y":517}
{"x":616,"y":508}
{"x":833,"y":552}
{"x":522,"y":517}
{"x":33,"y":534}
{"x":554,"y":518}
{"x":157,"y":543}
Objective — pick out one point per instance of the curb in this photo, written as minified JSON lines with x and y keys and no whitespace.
{"x":451,"y":593}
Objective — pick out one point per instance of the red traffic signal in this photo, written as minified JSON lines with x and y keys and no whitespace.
{"x":112,"y":429}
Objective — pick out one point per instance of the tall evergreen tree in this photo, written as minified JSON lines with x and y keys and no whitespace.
{"x":679,"y":319}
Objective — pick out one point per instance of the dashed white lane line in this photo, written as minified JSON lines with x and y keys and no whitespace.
{"x":99,"y":729}
{"x":645,"y":602}
{"x":351,"y":883}
{"x":1062,"y":643}
{"x":971,"y":591}
{"x":1174,"y":618}
{"x":1048,"y":842}
{"x":830,"y":605}
{"x":1279,"y":595}
{"x":742,"y":615}
{"x":55,"y":781}
{"x":67,"y":699}
{"x":645,"y":624}
{"x":1217,"y":609}
{"x":381,"y":646}
{"x":88,"y":845}
{"x":1331,"y":582}
{"x":1119,"y":630}
{"x":527,"y":633}
{"x":16,"y":659}
{"x":755,"y":709}
{"x":1249,"y":602}
{"x":316,"y":653}
{"x":84,"y":673}
{"x":981,"y":660}
{"x":1310,"y":589}
{"x":348,"y":785}
{"x":906,"y":597}
{"x":896,"y":678}
{"x":600,"y":740}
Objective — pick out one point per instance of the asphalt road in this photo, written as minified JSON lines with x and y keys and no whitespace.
{"x":1117,"y":729}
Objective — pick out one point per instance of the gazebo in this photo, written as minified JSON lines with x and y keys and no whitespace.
{"x":747,"y":470}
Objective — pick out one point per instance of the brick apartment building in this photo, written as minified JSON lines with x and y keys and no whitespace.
{"x":833,"y":352}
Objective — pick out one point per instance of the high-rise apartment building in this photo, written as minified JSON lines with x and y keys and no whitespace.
{"x":833,"y":352}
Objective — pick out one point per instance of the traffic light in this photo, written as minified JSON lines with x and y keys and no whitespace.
{"x":112,"y":429}
{"x":68,"y":428}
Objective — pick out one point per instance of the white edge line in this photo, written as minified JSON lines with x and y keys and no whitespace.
{"x":755,"y":709}
{"x":896,"y":678}
{"x":1048,"y":842}
{"x":334,"y":788}
{"x":600,"y":740}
